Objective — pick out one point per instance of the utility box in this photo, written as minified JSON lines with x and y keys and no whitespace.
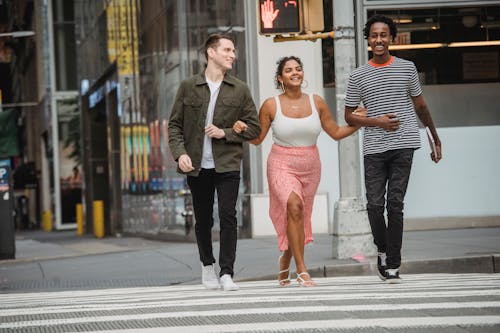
{"x":7,"y":230}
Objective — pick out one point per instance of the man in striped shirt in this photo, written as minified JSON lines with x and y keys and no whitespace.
{"x":389,"y":89}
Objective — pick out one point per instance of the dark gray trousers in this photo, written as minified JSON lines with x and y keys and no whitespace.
{"x":388,"y":170}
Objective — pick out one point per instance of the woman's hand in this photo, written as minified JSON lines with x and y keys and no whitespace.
{"x":360,"y":111}
{"x":239,"y":127}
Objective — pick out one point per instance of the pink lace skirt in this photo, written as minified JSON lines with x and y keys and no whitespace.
{"x":292,"y":169}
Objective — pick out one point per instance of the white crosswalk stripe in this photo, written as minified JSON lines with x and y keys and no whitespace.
{"x":348,"y":304}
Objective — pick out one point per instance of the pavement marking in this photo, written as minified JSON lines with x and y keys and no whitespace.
{"x":300,"y":295}
{"x":256,"y":292}
{"x":177,"y":305}
{"x":249,"y":311}
{"x":296,"y":326}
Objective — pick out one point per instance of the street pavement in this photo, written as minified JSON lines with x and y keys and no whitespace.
{"x":430,"y":303}
{"x":61,"y":260}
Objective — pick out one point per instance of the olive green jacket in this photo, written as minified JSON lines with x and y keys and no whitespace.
{"x":186,"y":128}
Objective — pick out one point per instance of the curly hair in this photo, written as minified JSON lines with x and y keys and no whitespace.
{"x":279,"y":70}
{"x":380,"y":18}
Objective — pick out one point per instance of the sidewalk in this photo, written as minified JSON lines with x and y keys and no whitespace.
{"x":61,"y":259}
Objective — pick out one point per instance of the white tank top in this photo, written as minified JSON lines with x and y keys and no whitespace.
{"x":296,"y":132}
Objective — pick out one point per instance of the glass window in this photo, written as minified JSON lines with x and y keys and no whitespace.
{"x":449,"y":45}
{"x":64,"y":44}
{"x":171,"y":35}
{"x":456,"y":51}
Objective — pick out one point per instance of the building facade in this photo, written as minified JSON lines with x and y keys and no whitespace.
{"x":132,"y":55}
{"x":455,"y":47}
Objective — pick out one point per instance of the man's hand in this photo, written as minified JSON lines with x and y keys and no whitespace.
{"x":239,"y":127}
{"x":389,"y":122}
{"x":214,"y":132}
{"x":185,"y":163}
{"x":268,"y":14}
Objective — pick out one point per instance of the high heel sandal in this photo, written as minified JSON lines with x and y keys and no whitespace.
{"x":283,"y":282}
{"x":305,"y":283}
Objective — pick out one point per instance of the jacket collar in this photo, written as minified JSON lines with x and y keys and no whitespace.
{"x":200,"y":79}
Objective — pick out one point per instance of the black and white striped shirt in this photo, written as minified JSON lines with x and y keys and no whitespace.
{"x":384,"y":89}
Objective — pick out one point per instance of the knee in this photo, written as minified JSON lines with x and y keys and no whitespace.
{"x":295,"y":210}
{"x":374,"y":209}
{"x":228,"y":215}
{"x":394,"y":207}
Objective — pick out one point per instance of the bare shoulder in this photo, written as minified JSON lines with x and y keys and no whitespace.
{"x":269,"y":102}
{"x":269,"y":107}
{"x":320,"y":103}
{"x":318,"y":99}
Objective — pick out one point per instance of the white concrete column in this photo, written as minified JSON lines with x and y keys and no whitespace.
{"x":351,"y":229}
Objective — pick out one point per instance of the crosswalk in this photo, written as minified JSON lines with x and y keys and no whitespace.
{"x":422,"y":303}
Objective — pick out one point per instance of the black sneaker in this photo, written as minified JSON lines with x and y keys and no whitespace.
{"x":381,"y":266}
{"x":392,"y":276}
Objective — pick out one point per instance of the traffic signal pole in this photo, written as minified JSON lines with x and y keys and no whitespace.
{"x":351,"y":229}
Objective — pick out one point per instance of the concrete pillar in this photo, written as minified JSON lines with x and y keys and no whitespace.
{"x":351,"y":229}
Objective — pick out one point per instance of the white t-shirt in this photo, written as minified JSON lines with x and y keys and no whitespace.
{"x":207,"y":159}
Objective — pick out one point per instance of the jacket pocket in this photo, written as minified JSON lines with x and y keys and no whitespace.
{"x":228,"y":112}
{"x":192,"y":103}
{"x":230,"y":102}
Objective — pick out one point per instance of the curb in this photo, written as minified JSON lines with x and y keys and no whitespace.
{"x":456,"y":265}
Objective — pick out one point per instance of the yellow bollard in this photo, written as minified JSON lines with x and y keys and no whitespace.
{"x":79,"y":219}
{"x":98,"y":218}
{"x":47,"y":220}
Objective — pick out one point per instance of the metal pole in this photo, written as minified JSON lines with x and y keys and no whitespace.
{"x":351,"y":230}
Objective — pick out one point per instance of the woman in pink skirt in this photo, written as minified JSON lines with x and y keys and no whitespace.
{"x":293,"y":165}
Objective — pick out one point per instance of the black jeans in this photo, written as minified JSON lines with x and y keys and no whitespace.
{"x":389,"y":169}
{"x":203,"y":190}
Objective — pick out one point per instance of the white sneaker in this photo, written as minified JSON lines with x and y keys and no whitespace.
{"x":209,"y":278}
{"x":227,"y":283}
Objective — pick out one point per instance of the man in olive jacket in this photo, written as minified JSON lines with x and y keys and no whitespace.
{"x":209,"y":152}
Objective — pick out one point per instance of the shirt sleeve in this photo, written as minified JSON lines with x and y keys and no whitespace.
{"x":175,"y":125}
{"x":353,"y":94}
{"x":415,"y":88}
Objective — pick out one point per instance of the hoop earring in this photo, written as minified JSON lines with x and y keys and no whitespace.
{"x":282,"y":86}
{"x":307,"y":84}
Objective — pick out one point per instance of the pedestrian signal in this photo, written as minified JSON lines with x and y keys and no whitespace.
{"x":280,"y":17}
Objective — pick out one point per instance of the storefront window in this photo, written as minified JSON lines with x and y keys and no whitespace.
{"x":449,"y":45}
{"x":456,"y":51}
{"x":69,"y":157}
{"x":171,"y":35}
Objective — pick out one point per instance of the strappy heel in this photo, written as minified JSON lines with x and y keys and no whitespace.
{"x":305,"y":283}
{"x":283,"y":282}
